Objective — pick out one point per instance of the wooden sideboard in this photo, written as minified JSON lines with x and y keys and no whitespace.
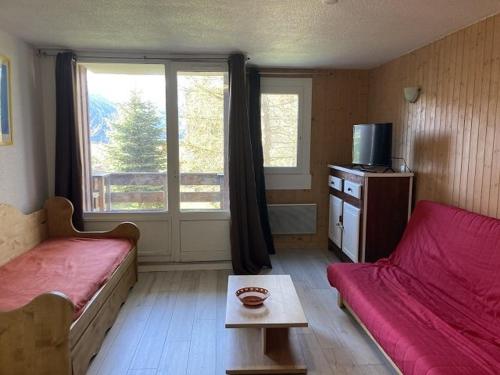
{"x":368,"y":212}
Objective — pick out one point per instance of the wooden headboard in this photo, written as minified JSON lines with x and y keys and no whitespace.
{"x":18,"y":232}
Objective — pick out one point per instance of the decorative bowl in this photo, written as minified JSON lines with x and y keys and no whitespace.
{"x":252,"y":295}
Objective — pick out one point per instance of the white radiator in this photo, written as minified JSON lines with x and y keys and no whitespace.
{"x":292,"y":218}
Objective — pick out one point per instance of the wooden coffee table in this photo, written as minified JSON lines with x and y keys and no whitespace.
{"x":264,"y":342}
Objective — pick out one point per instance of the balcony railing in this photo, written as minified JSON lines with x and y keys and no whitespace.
{"x":139,"y":189}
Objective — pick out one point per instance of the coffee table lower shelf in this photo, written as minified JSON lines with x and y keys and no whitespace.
{"x":264,"y":351}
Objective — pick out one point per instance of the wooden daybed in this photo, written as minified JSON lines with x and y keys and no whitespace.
{"x":42,"y":337}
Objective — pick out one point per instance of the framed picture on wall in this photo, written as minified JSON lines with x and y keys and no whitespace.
{"x":5,"y":102}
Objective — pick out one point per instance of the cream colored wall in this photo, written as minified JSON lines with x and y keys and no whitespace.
{"x":23,"y":177}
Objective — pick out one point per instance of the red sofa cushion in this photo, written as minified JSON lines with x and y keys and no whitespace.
{"x":434,"y":305}
{"x":77,"y":267}
{"x":456,"y":252}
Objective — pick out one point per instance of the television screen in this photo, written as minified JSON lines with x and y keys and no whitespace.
{"x":372,"y":144}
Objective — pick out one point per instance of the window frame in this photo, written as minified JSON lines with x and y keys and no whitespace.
{"x":298,"y":177}
{"x":194,"y":67}
{"x":85,"y":139}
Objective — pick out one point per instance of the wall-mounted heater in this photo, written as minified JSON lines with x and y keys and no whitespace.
{"x":292,"y":218}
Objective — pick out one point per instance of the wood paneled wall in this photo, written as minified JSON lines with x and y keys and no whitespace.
{"x":339,"y":100}
{"x":451,"y":135}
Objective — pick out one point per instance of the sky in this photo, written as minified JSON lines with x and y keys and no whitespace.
{"x":117,"y":87}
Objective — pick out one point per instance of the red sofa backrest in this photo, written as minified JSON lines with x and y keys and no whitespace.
{"x":455,"y":251}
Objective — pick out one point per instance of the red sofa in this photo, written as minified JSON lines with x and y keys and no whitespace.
{"x":434,"y":305}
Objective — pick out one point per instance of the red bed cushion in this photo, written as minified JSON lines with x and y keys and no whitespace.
{"x":77,"y":267}
{"x":434,"y":305}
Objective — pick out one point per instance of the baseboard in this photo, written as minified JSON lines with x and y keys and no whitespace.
{"x":187,"y":266}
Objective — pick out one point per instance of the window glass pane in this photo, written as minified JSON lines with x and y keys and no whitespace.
{"x":279,"y":122}
{"x":127,"y":136}
{"x":203,"y":183}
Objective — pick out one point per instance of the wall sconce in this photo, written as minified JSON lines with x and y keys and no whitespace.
{"x":412,"y":93}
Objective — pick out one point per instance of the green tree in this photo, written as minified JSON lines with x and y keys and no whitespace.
{"x":201,"y":131}
{"x":279,"y":117}
{"x":137,"y":138}
{"x":202,"y":115}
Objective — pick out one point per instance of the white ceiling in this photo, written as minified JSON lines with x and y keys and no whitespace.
{"x":284,"y":33}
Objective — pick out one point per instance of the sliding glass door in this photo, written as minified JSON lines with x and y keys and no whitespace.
{"x":199,"y":162}
{"x":155,"y":152}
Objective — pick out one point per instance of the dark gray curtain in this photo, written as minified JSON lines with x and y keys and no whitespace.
{"x":258,"y":157}
{"x":68,"y":171}
{"x":248,"y":245}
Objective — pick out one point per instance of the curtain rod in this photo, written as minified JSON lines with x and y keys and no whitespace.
{"x":134,"y":56}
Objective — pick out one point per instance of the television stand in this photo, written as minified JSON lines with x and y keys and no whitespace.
{"x":368,"y":212}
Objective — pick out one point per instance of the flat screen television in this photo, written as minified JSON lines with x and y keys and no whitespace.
{"x":372,"y":145}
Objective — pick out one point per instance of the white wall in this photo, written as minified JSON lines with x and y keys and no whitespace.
{"x":48,"y":102}
{"x":23,"y":176}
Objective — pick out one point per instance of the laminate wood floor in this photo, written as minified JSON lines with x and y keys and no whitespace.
{"x":173,"y":323}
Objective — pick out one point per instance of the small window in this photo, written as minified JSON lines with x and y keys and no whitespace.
{"x":280,"y":125}
{"x":286,"y":129}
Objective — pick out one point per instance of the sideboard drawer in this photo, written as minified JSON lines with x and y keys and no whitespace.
{"x":352,"y":189}
{"x":335,"y":183}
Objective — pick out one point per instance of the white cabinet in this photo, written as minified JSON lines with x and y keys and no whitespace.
{"x":335,"y":220}
{"x":344,"y":226}
{"x":350,"y":238}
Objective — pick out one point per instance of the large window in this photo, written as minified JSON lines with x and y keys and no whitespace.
{"x":123,"y":112}
{"x":126,"y":136}
{"x":286,"y":127}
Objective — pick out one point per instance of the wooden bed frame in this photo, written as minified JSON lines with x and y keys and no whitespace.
{"x":343,"y":305}
{"x":41,"y":337}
